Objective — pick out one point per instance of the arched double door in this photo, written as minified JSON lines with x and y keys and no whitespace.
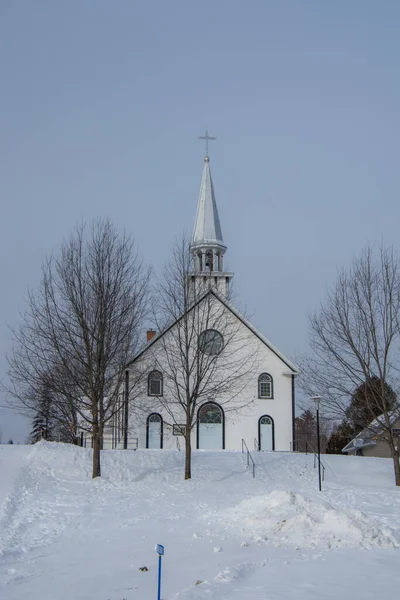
{"x":210,"y":427}
{"x":154,"y":431}
{"x":266,"y":433}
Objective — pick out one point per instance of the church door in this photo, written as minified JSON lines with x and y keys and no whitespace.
{"x":154,"y":431}
{"x":210,"y":427}
{"x":266,"y":440}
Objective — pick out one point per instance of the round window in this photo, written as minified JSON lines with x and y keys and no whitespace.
{"x":211,"y":342}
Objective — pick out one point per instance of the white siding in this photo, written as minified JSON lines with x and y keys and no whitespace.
{"x":242,"y":413}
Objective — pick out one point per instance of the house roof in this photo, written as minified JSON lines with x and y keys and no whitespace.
{"x":370,"y":435}
{"x":293,"y":370}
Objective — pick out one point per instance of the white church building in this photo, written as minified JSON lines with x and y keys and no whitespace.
{"x":250,"y":385}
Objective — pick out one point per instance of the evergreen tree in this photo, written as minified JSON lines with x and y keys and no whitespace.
{"x":42,"y":424}
{"x":343,"y":434}
{"x":371,"y":399}
{"x":38,"y":428}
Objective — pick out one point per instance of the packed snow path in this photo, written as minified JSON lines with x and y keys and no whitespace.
{"x":64,"y":536}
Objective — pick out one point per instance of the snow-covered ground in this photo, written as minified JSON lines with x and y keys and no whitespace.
{"x":226,"y":535}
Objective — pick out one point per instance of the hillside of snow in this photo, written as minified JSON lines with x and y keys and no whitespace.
{"x":226,"y":535}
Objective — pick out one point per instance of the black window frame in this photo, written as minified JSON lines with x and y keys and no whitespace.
{"x":203,"y":342}
{"x":261,"y":381}
{"x":151,"y":377}
{"x":158,"y":420}
{"x":198,"y":423}
{"x":273,"y":430}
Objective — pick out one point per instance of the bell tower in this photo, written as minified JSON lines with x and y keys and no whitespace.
{"x":207,"y":245}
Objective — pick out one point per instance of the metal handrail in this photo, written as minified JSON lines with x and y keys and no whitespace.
{"x":310,"y":449}
{"x":315,"y":460}
{"x":249,"y":457}
{"x":322,"y":465}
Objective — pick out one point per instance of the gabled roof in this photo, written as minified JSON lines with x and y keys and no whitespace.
{"x":371,"y":434}
{"x":207,"y":228}
{"x":293,"y":370}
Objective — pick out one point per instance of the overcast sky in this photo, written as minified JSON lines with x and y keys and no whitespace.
{"x":101,"y":104}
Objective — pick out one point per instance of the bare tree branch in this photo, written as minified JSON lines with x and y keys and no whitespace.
{"x":354,"y":338}
{"x":81,"y":327}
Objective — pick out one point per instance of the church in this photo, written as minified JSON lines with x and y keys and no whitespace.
{"x":244,"y":386}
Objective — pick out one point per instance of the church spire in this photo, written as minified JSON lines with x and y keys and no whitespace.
{"x":207,"y":227}
{"x":207,"y":245}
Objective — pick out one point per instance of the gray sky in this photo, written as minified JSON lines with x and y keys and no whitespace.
{"x":101,"y":104}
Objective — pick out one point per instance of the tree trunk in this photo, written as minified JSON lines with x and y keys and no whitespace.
{"x":96,"y":452}
{"x":394,"y":450}
{"x":126,"y":410}
{"x":188,"y":454}
{"x":396,"y":465}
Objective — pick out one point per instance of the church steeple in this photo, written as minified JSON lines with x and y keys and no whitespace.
{"x":207,"y":228}
{"x":207,"y":246}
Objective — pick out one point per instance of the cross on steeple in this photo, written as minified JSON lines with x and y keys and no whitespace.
{"x":207,"y":138}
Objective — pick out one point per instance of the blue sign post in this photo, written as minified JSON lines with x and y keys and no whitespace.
{"x":160,"y":551}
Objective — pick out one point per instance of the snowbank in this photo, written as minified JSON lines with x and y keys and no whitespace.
{"x":64,"y":535}
{"x":283,"y":517}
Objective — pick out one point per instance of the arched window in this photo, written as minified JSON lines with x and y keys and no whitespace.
{"x":265,"y":386}
{"x":200,"y":257}
{"x":209,"y":260}
{"x":210,"y":413}
{"x":155,"y":384}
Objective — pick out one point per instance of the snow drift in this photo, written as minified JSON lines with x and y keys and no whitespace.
{"x":284,"y":517}
{"x":226,"y":534}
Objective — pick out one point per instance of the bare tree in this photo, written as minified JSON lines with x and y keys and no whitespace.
{"x":306,"y":432}
{"x":354,"y":337}
{"x":80,"y":329}
{"x":203,"y":351}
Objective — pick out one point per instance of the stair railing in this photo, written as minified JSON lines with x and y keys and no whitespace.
{"x":322,"y":464}
{"x":309,"y":449}
{"x":249,"y":458}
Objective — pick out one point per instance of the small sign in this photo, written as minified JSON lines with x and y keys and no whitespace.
{"x":160,"y":550}
{"x":178,"y":429}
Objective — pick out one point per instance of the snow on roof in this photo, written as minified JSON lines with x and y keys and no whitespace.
{"x":371,"y":434}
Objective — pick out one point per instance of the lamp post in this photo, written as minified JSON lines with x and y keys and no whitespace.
{"x":317,"y":400}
